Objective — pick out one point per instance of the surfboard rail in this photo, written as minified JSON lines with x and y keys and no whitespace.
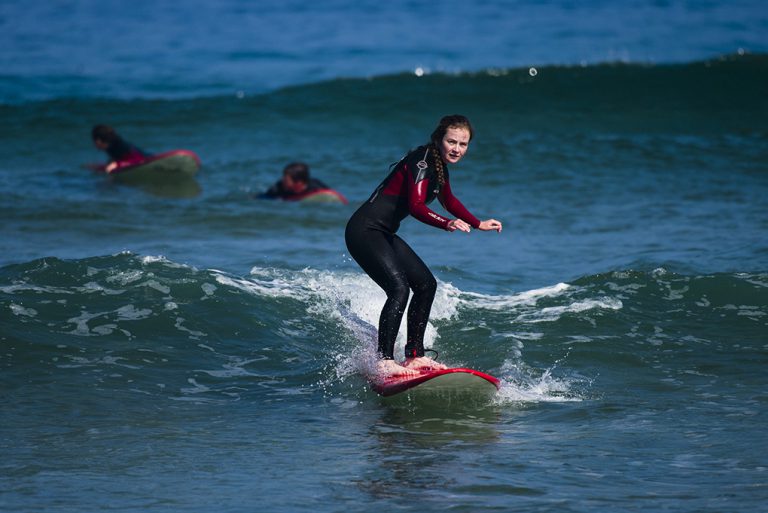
{"x":456,"y":378}
{"x":326,"y":195}
{"x":185,"y":161}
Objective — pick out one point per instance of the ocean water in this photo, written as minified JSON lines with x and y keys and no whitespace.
{"x":186,"y":347}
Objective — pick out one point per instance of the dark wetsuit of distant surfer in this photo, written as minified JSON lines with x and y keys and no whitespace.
{"x":279,"y":191}
{"x":123,"y":151}
{"x":296,"y":184}
{"x":119,"y":151}
{"x":414,"y":182}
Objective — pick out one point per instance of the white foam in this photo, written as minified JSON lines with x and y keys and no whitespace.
{"x":126,"y":277}
{"x":519,"y":384}
{"x":526,"y":298}
{"x":92,"y":287}
{"x":277,"y":287}
{"x":208,"y":289}
{"x":154,"y":284}
{"x":356,"y":301}
{"x":123,"y":313}
{"x":131,"y":313}
{"x":193,"y":334}
{"x":759,"y":280}
{"x":196,"y":387}
{"x":80,"y":361}
{"x":235,"y":368}
{"x":550,"y":314}
{"x":353,"y":298}
{"x":24,"y":287}
{"x":20,"y":310}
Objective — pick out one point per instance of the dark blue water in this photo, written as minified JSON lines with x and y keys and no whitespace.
{"x":190,"y":348}
{"x":149,"y":49}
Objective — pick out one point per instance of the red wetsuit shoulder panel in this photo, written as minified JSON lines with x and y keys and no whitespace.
{"x":395,"y":181}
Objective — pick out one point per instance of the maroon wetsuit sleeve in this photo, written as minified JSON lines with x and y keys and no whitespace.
{"x":417,"y":204}
{"x":455,"y":207}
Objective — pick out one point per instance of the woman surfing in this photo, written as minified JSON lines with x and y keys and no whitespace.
{"x":372,"y":240}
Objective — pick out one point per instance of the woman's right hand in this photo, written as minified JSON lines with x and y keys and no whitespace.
{"x":458,"y":224}
{"x":490,"y":224}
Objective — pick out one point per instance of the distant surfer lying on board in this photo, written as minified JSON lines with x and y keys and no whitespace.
{"x":296,"y":184}
{"x":120,"y":151}
{"x":415,"y":181}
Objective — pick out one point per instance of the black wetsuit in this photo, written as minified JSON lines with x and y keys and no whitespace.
{"x":279,"y":191}
{"x":121,"y":150}
{"x":373,"y":243}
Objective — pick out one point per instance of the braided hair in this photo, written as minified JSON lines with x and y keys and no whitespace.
{"x":436,"y":139}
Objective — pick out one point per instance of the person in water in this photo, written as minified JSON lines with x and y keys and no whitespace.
{"x":120,"y":151}
{"x":372,"y":240}
{"x":295,"y":184}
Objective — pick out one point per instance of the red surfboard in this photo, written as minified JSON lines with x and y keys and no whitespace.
{"x":453,"y":380}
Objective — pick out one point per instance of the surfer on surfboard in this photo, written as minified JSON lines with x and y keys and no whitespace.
{"x":372,"y":240}
{"x":120,"y":151}
{"x":296,"y":184}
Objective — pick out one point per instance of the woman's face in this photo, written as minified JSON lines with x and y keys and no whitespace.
{"x":454,"y":144}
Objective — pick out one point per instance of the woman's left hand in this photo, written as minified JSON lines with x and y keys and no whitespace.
{"x":490,"y":224}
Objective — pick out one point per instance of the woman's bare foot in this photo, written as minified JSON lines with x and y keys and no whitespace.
{"x":386,"y":368}
{"x":423,"y":363}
